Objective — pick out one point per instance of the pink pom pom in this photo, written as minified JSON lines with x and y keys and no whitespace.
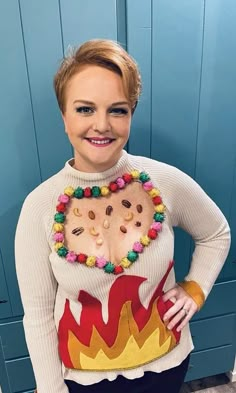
{"x":71,"y":256}
{"x":101,"y":262}
{"x":63,"y":198}
{"x":157,"y":226}
{"x":58,"y":237}
{"x":138,"y":247}
{"x":120,"y":182}
{"x":148,"y":185}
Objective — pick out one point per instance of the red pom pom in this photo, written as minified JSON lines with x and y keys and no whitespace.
{"x":113,"y":187}
{"x":157,"y":200}
{"x":152,"y":234}
{"x":61,"y":208}
{"x":81,"y":258}
{"x":127,"y":177}
{"x":118,"y":270}
{"x":87,"y":192}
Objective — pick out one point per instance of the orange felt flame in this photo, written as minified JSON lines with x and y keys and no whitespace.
{"x":133,"y":334}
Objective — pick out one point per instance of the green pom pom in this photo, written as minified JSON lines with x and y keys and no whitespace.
{"x":158,"y":217}
{"x":79,"y":193}
{"x":62,"y":252}
{"x":109,"y":267}
{"x":59,"y":217}
{"x":132,"y":256}
{"x":96,"y":192}
{"x":143,"y":177}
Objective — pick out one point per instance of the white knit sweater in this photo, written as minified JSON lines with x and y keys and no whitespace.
{"x":50,"y":286}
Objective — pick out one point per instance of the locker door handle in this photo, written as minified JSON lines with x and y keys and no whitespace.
{"x":3,"y":301}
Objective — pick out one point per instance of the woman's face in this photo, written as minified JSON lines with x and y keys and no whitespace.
{"x":97,"y":118}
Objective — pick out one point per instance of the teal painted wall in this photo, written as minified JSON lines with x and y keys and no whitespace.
{"x":186,"y":116}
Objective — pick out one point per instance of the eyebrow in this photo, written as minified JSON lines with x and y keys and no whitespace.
{"x":92,"y":103}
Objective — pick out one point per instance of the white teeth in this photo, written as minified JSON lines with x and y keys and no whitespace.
{"x":103,"y":142}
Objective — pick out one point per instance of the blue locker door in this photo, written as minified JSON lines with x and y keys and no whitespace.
{"x":18,"y":148}
{"x":216,"y":148}
{"x":176,"y":69}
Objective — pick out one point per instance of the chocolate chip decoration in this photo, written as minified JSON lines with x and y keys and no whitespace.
{"x":78,"y":231}
{"x":138,"y":224}
{"x":91,"y":215}
{"x":109,"y":210}
{"x":126,"y":203}
{"x":123,"y":229}
{"x":139,"y":208}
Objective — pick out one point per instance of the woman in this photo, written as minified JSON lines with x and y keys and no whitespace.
{"x":95,"y":244}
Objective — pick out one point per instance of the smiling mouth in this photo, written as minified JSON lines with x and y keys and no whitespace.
{"x":100,"y":142}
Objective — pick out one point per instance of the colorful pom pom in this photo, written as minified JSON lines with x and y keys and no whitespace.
{"x":157,"y":226}
{"x":71,"y":256}
{"x":135,"y":174}
{"x":154,"y":192}
{"x":58,"y":237}
{"x":63,"y":198}
{"x":91,"y":261}
{"x":127,"y":177}
{"x":159,"y":217}
{"x":61,"y":208}
{"x":144,"y":177}
{"x":79,"y":193}
{"x":69,"y":191}
{"x":101,"y":262}
{"x":105,"y":191}
{"x":125,"y":263}
{"x":62,"y":252}
{"x":152,"y":234}
{"x":113,"y":187}
{"x":120,"y":182}
{"x":138,"y":247}
{"x":87,"y":192}
{"x":82,"y":258}
{"x":160,"y":208}
{"x":148,"y":185}
{"x":96,"y":191}
{"x":109,"y":268}
{"x":58,"y":227}
{"x":118,"y":269}
{"x":58,"y":245}
{"x":145,"y":240}
{"x":59,"y":217}
{"x":157,"y":200}
{"x":132,"y":256}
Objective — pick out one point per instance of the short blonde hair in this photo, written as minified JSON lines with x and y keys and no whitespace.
{"x":104,"y":53}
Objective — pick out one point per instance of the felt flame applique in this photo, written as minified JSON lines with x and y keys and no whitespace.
{"x":132,"y":336}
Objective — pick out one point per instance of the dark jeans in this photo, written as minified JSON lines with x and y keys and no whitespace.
{"x":169,"y":381}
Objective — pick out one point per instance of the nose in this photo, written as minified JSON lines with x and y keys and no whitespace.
{"x":101,"y":122}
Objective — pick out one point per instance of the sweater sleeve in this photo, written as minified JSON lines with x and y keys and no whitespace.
{"x":193,"y":211}
{"x":38,"y":291}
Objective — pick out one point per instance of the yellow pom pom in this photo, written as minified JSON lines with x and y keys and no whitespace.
{"x":160,"y":208}
{"x":154,"y":192}
{"x":135,"y":174}
{"x":105,"y":191}
{"x":145,"y":240}
{"x":69,"y":191}
{"x":58,"y":227}
{"x":91,"y":261}
{"x":58,"y":245}
{"x":125,"y":263}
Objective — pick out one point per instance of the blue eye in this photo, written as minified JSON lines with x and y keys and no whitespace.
{"x":87,"y":110}
{"x":119,"y":111}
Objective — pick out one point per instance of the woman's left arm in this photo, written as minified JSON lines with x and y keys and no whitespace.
{"x":198,"y":215}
